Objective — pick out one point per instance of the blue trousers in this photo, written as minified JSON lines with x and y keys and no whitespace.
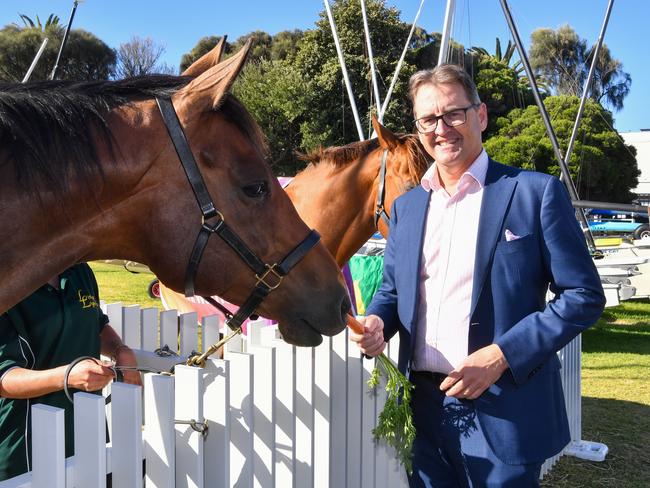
{"x":450,"y":450}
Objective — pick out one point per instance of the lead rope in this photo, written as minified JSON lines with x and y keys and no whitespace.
{"x":199,"y":359}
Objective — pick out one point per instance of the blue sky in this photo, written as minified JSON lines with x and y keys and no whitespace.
{"x":180,"y":24}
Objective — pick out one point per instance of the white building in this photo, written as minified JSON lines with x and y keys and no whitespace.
{"x":641,"y":141}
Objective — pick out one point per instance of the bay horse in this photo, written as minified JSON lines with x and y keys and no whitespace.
{"x":344,"y":194}
{"x":340,"y":195}
{"x":88,"y":171}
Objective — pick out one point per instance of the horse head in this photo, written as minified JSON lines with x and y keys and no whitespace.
{"x":343,"y":190}
{"x":142,"y":208}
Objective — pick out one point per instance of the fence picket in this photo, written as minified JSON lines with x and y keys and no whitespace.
{"x":338,"y":412}
{"x":89,"y":440}
{"x":48,"y":447}
{"x":114,"y":312}
{"x":189,"y":442}
{"x":159,"y":433}
{"x":264,"y":416}
{"x":169,"y":329}
{"x":304,"y":417}
{"x":149,"y":321}
{"x":216,"y":403}
{"x":354,"y":397}
{"x":285,"y":433}
{"x":126,"y":459}
{"x":241,"y":419}
{"x":322,"y":412}
{"x":189,"y":333}
{"x":132,"y":332}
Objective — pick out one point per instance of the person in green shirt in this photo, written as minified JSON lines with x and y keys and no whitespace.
{"x":39,"y":338}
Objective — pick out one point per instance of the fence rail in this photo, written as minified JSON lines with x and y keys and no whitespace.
{"x":276,"y":415}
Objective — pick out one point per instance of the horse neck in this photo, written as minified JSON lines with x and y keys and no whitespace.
{"x":339,"y":202}
{"x":44,"y":237}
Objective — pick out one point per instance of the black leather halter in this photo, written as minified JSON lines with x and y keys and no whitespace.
{"x":268,"y":276}
{"x":380,"y":211}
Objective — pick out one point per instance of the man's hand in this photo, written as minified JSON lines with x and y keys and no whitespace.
{"x":90,"y":375}
{"x":371,"y":342}
{"x":476,"y":373}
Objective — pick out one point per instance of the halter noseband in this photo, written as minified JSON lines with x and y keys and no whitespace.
{"x":380,"y":211}
{"x":268,"y":277}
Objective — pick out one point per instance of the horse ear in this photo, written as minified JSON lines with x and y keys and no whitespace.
{"x":387,"y":139}
{"x":206,"y":91}
{"x":208,"y":60}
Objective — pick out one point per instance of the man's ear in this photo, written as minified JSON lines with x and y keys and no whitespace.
{"x":205,"y":92}
{"x":387,"y":139}
{"x":483,"y":116}
{"x":208,"y":60}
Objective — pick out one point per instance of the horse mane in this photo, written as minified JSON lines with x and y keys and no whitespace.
{"x":51,"y":130}
{"x":343,"y":155}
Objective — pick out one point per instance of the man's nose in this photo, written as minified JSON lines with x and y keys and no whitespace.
{"x":441,"y":128}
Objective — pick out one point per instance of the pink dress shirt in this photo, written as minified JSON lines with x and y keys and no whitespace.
{"x":447,"y":269}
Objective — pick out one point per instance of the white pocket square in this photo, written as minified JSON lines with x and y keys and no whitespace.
{"x":510,"y":236}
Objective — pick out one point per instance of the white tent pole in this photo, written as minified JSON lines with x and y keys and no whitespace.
{"x":348,"y":86}
{"x":380,"y":116}
{"x":443,"y":55}
{"x":373,"y":73}
{"x":35,"y":61}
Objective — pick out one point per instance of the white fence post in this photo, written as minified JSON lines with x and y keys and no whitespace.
{"x":189,"y":442}
{"x":216,"y":403}
{"x":126,"y":455}
{"x":89,"y":440}
{"x":241,"y":420}
{"x":48,"y":447}
{"x":159,"y":432}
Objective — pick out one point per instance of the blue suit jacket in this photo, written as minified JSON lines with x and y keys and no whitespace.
{"x":522,"y":414}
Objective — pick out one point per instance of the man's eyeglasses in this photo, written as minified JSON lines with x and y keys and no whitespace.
{"x":453,"y":118}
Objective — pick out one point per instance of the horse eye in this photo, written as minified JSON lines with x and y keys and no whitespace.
{"x":256,"y":190}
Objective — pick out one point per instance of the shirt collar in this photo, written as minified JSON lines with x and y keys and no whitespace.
{"x":477,"y":171}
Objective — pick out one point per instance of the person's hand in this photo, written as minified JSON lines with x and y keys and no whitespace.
{"x":476,"y":373}
{"x":124,"y":356}
{"x":371,"y":342}
{"x":91,"y":375}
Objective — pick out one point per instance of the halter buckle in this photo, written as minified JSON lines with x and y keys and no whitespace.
{"x":218,"y":215}
{"x":269,"y":270}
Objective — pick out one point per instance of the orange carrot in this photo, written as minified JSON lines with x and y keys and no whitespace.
{"x":354,"y":324}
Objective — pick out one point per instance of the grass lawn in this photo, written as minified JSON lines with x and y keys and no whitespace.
{"x":615,"y":403}
{"x":615,"y":387}
{"x":116,"y":284}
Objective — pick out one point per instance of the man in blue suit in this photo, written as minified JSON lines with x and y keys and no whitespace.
{"x":471,"y":254}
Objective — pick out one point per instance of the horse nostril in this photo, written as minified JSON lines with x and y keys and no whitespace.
{"x":346,"y":307}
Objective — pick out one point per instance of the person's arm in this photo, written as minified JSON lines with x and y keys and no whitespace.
{"x":22,"y":383}
{"x":112,"y":346}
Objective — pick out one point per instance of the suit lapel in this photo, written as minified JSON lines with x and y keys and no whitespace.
{"x":497,"y":195}
{"x":413,"y":237}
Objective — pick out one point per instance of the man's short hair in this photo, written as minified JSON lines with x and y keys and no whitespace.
{"x":444,"y":74}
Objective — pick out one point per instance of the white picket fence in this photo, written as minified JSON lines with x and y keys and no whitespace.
{"x":276,"y":415}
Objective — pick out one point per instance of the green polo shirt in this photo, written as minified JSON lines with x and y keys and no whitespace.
{"x":49,"y":328}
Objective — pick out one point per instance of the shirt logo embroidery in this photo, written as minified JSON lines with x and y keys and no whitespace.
{"x":87,"y":301}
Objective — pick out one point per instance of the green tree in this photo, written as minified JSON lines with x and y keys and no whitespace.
{"x":330,"y":118}
{"x":561,"y":58}
{"x":603,"y":167}
{"x":202,"y":47}
{"x":274,"y":92}
{"x":499,"y":81}
{"x":85,"y":57}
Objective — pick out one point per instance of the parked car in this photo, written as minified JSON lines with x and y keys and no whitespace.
{"x":614,"y":223}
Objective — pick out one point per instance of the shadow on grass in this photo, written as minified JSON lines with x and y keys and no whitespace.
{"x":625,"y":428}
{"x":620,"y":330}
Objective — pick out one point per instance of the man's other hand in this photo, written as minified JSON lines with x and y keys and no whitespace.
{"x":476,"y":373}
